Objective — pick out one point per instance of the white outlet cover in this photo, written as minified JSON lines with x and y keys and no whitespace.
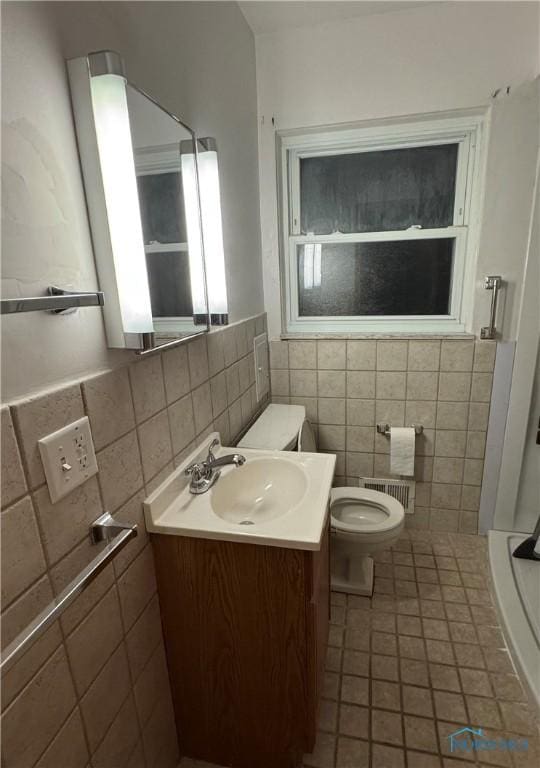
{"x":68,"y":458}
{"x":262,"y":374}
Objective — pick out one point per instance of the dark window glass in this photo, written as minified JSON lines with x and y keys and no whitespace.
{"x":380,"y":191}
{"x":161,"y":200}
{"x":404,"y":277}
{"x":169,"y":282}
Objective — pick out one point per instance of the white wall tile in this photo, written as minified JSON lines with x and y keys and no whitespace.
{"x":457,"y":356}
{"x":37,"y":417}
{"x":422,"y":385}
{"x":198,"y":361}
{"x":361,"y":355}
{"x":279,"y":354}
{"x":484,"y":356}
{"x":303,"y":354}
{"x":360,"y":412}
{"x":331,"y":410}
{"x":391,"y":385}
{"x":22,"y":555}
{"x":176,"y":373}
{"x":155,"y":444}
{"x":392,"y":355}
{"x":454,"y":386}
{"x":331,"y":355}
{"x":147,"y":387}
{"x":182,"y":423}
{"x":109,"y":406}
{"x":361,"y":384}
{"x":13,"y":483}
{"x":424,"y":355}
{"x":331,"y":383}
{"x":452,"y":415}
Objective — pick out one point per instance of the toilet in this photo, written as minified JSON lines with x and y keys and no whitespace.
{"x":362,"y":521}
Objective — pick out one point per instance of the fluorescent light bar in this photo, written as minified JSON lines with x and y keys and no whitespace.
{"x":212,"y":230}
{"x":100,"y":107}
{"x":111,"y":116}
{"x":195,"y":248}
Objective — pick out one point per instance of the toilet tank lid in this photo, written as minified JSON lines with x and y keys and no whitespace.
{"x":276,"y":428}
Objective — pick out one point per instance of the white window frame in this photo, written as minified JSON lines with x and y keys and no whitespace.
{"x":428,"y":131}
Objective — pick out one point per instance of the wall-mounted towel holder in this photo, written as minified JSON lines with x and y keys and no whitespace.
{"x":58,"y":301}
{"x":384,"y":429}
{"x":491,"y":283}
{"x":106,"y":530}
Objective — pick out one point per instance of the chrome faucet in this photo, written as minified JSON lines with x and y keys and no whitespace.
{"x":203,"y":473}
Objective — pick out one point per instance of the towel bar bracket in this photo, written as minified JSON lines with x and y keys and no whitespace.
{"x":106,"y":527}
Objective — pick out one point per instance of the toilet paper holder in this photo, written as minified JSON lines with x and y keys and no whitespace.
{"x":384,"y":429}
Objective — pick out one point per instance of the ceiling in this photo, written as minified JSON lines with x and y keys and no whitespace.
{"x":264,"y":17}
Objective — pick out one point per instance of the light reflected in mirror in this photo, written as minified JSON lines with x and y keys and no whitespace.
{"x":172,"y":244}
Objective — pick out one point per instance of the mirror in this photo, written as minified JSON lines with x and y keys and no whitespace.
{"x":158,"y":140}
{"x":141,"y":174}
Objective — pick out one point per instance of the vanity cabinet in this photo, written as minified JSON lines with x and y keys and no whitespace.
{"x":246,"y":629}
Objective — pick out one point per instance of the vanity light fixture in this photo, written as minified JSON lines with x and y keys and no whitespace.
{"x":195,"y":246}
{"x":99,"y":97}
{"x":210,"y":200}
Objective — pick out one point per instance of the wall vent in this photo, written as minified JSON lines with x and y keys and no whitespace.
{"x":402,"y":490}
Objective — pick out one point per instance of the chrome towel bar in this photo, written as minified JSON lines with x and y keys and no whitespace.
{"x":58,"y":301}
{"x":100,"y":530}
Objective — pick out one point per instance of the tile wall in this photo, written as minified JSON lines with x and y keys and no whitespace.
{"x":348,"y":387}
{"x":94,"y":689}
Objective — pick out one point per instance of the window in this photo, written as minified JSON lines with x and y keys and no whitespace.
{"x":161,"y":201}
{"x":376,"y":226}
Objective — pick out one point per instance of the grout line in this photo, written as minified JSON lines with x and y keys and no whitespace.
{"x":75,"y":708}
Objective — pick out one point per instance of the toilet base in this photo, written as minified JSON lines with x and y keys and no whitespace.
{"x":353,"y":575}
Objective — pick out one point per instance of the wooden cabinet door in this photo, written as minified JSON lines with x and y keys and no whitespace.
{"x":318,"y":618}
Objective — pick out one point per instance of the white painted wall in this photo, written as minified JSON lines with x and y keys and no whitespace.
{"x":198,"y":59}
{"x":508,"y":200}
{"x":439,"y":57}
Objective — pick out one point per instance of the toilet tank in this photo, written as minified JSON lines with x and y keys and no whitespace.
{"x":306,"y":439}
{"x":276,"y":429}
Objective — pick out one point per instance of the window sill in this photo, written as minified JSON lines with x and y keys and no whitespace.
{"x":405,"y":335}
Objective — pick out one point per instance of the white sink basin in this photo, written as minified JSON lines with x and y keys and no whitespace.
{"x":277,"y":498}
{"x":260,"y":490}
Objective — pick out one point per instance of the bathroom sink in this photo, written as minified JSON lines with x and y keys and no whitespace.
{"x":277,"y":499}
{"x":260,"y":490}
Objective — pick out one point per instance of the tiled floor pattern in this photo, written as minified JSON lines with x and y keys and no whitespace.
{"x":420,"y":660}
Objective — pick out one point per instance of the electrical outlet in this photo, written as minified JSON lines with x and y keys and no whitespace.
{"x":68,"y":458}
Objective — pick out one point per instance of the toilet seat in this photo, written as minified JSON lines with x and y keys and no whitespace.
{"x":365,"y":513}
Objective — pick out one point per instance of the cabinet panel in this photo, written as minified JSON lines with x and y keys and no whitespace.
{"x":318,"y":627}
{"x":241,"y":636}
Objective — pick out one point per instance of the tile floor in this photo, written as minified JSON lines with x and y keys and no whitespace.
{"x":420,"y":660}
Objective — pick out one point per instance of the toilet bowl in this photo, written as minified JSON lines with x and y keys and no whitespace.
{"x":362,"y":521}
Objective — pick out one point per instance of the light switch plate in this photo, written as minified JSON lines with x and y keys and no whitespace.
{"x":262,"y":375}
{"x":68,"y":458}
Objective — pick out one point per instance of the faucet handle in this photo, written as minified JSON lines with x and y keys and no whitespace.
{"x":213,"y":444}
{"x":196,"y":470}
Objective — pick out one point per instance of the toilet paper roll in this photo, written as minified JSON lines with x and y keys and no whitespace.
{"x":402,"y":443}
